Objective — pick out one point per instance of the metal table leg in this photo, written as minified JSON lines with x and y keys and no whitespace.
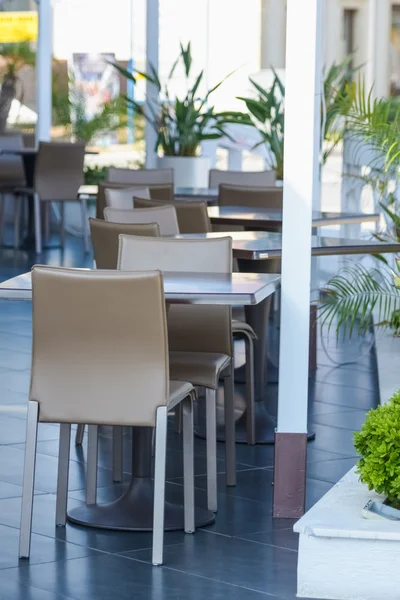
{"x":133,"y":511}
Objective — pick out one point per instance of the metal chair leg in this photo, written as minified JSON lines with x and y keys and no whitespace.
{"x":159,"y":486}
{"x":2,"y":216}
{"x":211,"y":442}
{"x":188,"y":465}
{"x":17,"y":221}
{"x":62,"y":224}
{"x":38,"y":229}
{"x":230,"y":441}
{"x":118,"y":453}
{"x":63,"y":473}
{"x":80,"y":432}
{"x":91,"y":466}
{"x":85,"y":219}
{"x":46,"y":221}
{"x":28,"y":480}
{"x":250,"y":418}
{"x":178,"y":418}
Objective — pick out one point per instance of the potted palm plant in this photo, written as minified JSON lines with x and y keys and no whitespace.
{"x":266,"y":112}
{"x":183,"y":123}
{"x":13,"y":57}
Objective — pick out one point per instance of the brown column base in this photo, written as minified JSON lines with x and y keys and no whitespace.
{"x":290,"y":475}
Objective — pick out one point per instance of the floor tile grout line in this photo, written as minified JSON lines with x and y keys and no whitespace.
{"x":266,"y":544}
{"x":166,"y":567}
{"x":34,"y":587}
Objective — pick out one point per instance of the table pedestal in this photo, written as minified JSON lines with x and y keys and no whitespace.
{"x":133,"y":511}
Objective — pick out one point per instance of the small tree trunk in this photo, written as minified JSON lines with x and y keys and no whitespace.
{"x":7,"y":95}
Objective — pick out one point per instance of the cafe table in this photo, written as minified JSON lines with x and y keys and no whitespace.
{"x":200,"y":194}
{"x":133,"y":511}
{"x":269,"y":219}
{"x":257,"y":252}
{"x":29,"y":156}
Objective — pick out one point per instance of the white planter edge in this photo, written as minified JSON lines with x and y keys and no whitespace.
{"x":388,"y":362}
{"x":343,"y":556}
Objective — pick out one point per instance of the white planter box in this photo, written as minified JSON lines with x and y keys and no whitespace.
{"x":188,"y":171}
{"x":343,"y":556}
{"x":388,"y":359}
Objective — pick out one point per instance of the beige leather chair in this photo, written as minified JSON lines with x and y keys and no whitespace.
{"x":70,"y":384}
{"x":192,"y":216}
{"x":242,"y":178}
{"x":58,"y":177}
{"x":234,"y":195}
{"x":141,"y":176}
{"x":157,"y":192}
{"x":123,"y":198}
{"x":200,"y":337}
{"x":105,"y":239}
{"x":11,"y":175}
{"x":164,"y":216}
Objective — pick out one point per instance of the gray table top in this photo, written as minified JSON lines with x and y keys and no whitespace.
{"x":32,"y":152}
{"x":183,"y":288}
{"x":201,"y":193}
{"x":260,"y":245}
{"x":205,"y":194}
{"x":272,"y":218}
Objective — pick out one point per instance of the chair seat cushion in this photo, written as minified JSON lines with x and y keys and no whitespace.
{"x":239,"y":327}
{"x":200,"y":368}
{"x":178,"y":391}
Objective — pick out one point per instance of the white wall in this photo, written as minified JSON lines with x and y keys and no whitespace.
{"x":273,"y":35}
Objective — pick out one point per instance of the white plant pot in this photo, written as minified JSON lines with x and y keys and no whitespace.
{"x":188,"y":171}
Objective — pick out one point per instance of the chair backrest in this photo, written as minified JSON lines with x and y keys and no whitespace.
{"x":11,"y":167}
{"x":123,"y":198}
{"x":164,"y":216}
{"x":59,"y":170}
{"x":192,"y":216}
{"x":100,"y":346}
{"x":244,"y":178}
{"x":158,"y":192}
{"x":141,"y":176}
{"x":234,"y":195}
{"x":105,"y":239}
{"x":190,"y":328}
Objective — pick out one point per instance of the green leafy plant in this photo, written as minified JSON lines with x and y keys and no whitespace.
{"x":378,"y":444}
{"x":374,"y":121}
{"x":267,"y":115}
{"x":181,"y":124}
{"x":69,"y":110}
{"x":266,"y":112}
{"x":13,"y":57}
{"x":95,"y":175}
{"x":356,"y":295}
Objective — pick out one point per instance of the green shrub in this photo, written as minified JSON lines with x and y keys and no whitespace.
{"x":95,"y":175}
{"x":378,"y":444}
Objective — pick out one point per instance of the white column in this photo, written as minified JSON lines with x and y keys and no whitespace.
{"x":382,"y":48}
{"x":301,"y":123}
{"x":273,"y":29}
{"x":44,"y":71}
{"x":152,"y":39}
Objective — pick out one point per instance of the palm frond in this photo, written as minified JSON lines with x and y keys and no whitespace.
{"x":357,"y":295}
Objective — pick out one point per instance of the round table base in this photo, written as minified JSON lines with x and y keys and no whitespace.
{"x":133,"y":511}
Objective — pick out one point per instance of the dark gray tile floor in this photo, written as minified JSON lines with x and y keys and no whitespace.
{"x":244,"y":555}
